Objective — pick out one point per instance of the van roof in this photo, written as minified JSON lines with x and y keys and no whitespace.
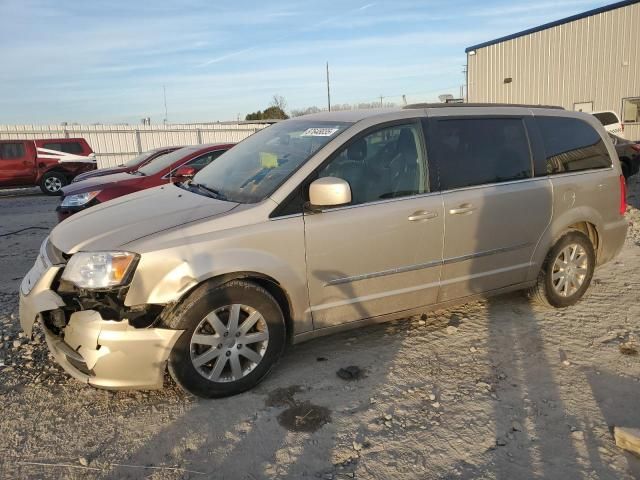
{"x":353,"y":116}
{"x":458,"y":105}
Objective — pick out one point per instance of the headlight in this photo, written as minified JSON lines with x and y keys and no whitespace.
{"x":79,"y":199}
{"x":95,"y":270}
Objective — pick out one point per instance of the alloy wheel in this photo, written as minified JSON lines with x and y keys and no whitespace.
{"x":229,"y":343}
{"x":53,"y":184}
{"x":570,"y":269}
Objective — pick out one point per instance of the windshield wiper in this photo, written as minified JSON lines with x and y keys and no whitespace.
{"x":215,"y":193}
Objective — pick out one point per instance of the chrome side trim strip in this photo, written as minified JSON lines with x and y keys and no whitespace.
{"x":364,"y":276}
{"x":374,"y":296}
{"x":420,"y":266}
{"x":466,"y":278}
{"x":485,"y":253}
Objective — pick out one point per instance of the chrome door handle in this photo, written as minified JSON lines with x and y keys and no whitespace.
{"x":421,"y":215}
{"x":464,"y":209}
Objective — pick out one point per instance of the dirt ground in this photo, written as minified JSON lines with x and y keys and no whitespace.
{"x":498,"y":389}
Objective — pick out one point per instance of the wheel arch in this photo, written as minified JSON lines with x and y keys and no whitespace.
{"x":590,"y":230}
{"x":53,"y":169}
{"x":270,"y":284}
{"x":579,"y":219}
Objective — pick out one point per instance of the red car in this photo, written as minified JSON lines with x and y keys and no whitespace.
{"x":134,"y":164}
{"x":50,"y":164}
{"x":179,"y":165}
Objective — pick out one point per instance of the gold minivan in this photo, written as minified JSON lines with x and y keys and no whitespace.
{"x":323,"y":223}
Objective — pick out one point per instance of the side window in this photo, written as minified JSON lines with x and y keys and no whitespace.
{"x":572,"y":145}
{"x":66,"y":147}
{"x":53,"y":146}
{"x":477,"y":151}
{"x":72,"y":147}
{"x":387,"y":163}
{"x":11,"y":151}
{"x":201,"y":162}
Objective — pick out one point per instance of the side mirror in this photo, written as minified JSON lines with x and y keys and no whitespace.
{"x":329,"y":192}
{"x":184,"y":172}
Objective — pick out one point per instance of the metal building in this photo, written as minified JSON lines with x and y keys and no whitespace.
{"x":588,"y":62}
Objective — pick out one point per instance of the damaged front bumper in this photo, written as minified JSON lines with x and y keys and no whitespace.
{"x":103,"y":353}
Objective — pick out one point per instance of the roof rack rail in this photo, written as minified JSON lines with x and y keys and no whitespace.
{"x":446,"y":105}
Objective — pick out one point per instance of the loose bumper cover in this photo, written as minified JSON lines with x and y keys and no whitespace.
{"x":103,"y":353}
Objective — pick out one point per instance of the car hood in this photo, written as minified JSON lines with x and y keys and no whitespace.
{"x":99,"y":173}
{"x":98,"y":183}
{"x":112,"y":224}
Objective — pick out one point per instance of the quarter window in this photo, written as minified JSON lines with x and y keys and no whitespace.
{"x":631,"y":110}
{"x":479,"y":151}
{"x":10,"y":151}
{"x":607,"y":118}
{"x":66,"y":147}
{"x":387,"y":163}
{"x":572,"y":145}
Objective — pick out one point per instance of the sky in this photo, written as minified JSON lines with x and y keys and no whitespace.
{"x":111,"y":61}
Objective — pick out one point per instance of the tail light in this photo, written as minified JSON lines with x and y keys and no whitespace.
{"x":636,"y":147}
{"x":623,"y":195}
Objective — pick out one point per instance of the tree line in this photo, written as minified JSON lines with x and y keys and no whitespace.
{"x":278,"y":106}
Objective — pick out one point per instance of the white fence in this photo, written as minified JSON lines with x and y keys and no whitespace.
{"x":115,"y":144}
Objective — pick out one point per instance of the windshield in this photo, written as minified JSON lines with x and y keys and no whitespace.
{"x":254,"y":168}
{"x":138,"y":159}
{"x":164,"y":161}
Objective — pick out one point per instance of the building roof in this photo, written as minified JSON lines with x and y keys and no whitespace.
{"x":562,"y":21}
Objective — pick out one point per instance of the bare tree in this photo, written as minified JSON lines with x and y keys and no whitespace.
{"x":279,"y":101}
{"x":305,"y":111}
{"x":338,"y":107}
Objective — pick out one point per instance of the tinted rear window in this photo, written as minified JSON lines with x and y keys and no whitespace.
{"x":66,"y":147}
{"x":9,"y":151}
{"x":606,"y":118}
{"x":572,"y":145}
{"x":480,"y":151}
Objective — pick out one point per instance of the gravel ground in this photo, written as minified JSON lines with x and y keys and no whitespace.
{"x":496,"y":389}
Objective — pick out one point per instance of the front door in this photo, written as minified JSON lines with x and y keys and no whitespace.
{"x":382,"y":253}
{"x":494,"y":210}
{"x":17,"y":166}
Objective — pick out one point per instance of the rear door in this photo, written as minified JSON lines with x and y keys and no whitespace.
{"x":17,"y":164}
{"x":495,"y":211}
{"x":382,"y":253}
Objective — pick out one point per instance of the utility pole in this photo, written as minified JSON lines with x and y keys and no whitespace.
{"x":381,"y":97}
{"x":465,"y":72}
{"x":328,"y":89}
{"x":166,"y":117}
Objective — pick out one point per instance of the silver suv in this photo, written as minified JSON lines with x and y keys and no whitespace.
{"x":323,"y":223}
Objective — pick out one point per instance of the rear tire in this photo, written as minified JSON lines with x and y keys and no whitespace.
{"x":234,"y":335}
{"x":566,"y":273}
{"x":51,"y":183}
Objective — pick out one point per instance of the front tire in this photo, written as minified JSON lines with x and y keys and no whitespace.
{"x":234,"y":335}
{"x":567,"y":271}
{"x":51,"y":183}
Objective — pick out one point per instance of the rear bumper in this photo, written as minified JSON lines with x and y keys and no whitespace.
{"x":612,"y":240}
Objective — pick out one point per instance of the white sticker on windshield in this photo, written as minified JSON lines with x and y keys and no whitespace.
{"x":319,"y":132}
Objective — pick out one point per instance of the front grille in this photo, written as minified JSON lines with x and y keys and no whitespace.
{"x":54,"y":254}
